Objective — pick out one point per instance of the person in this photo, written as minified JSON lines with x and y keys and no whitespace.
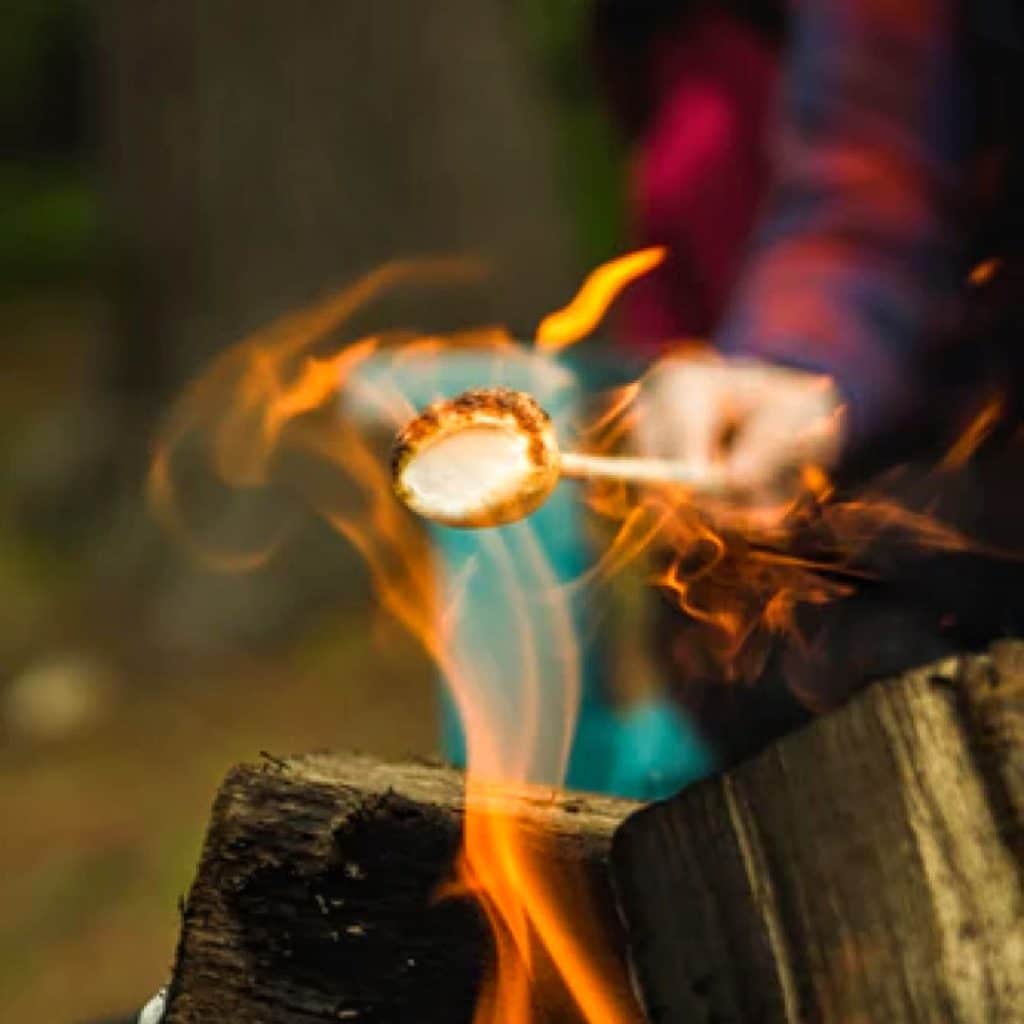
{"x":846,"y":328}
{"x":691,"y":87}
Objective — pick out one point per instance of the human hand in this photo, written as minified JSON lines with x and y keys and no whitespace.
{"x":754,"y":425}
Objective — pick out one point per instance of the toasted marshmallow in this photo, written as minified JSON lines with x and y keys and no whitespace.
{"x":485,"y":458}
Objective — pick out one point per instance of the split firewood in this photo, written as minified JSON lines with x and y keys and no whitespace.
{"x":316,"y":898}
{"x":866,"y":869}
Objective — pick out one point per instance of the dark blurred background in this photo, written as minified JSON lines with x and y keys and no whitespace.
{"x":173,"y":175}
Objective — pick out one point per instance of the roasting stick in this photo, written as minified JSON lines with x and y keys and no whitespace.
{"x":637,"y":470}
{"x":489,"y":457}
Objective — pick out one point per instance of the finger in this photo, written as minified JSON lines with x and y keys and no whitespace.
{"x":760,"y":456}
{"x":673,"y":414}
{"x":700,"y":415}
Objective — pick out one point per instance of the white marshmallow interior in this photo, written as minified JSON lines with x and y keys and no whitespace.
{"x":469,"y":470}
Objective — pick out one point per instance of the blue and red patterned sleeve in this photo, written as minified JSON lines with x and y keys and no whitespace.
{"x":856,"y":249}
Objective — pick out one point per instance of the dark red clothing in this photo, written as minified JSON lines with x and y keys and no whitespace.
{"x":699,"y":172}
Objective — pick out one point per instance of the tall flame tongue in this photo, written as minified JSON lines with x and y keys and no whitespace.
{"x":269,"y":407}
{"x":275,"y":395}
{"x":575,"y":321}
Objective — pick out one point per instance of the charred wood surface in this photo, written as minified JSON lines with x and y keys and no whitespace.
{"x":866,"y":869}
{"x":316,"y":897}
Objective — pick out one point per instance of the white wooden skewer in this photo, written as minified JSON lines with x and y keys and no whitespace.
{"x":641,"y":470}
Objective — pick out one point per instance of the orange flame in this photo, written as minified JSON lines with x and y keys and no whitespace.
{"x":974,"y":436}
{"x":984,"y":271}
{"x":600,"y":289}
{"x":740,"y":582}
{"x":733,"y":570}
{"x":274,"y":397}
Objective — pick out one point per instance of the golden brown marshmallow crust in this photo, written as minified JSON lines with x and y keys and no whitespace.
{"x":483,"y":407}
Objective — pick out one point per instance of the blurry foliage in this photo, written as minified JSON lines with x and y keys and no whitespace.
{"x":48,"y":223}
{"x":43,"y":49}
{"x":48,"y":207}
{"x":48,"y":215}
{"x":590,"y":156}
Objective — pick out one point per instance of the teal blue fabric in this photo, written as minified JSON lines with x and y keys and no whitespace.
{"x":646,"y":752}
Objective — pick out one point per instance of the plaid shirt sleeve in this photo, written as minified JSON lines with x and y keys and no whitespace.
{"x":856,"y":249}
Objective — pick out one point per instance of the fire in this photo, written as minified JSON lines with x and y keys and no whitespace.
{"x":267,"y":411}
{"x":983,"y":272}
{"x":741,"y":572}
{"x":974,"y":436}
{"x":274,"y":399}
{"x":591,"y":303}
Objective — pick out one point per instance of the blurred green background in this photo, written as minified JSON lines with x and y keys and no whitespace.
{"x":171,"y":176}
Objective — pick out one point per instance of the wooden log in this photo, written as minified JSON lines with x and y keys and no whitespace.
{"x":316,"y":895}
{"x":865,"y":869}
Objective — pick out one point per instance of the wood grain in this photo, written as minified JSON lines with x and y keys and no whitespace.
{"x":865,"y":869}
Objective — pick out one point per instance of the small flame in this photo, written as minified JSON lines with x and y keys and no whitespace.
{"x":272,"y":402}
{"x":587,"y":309}
{"x":975,"y":435}
{"x":984,"y":271}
